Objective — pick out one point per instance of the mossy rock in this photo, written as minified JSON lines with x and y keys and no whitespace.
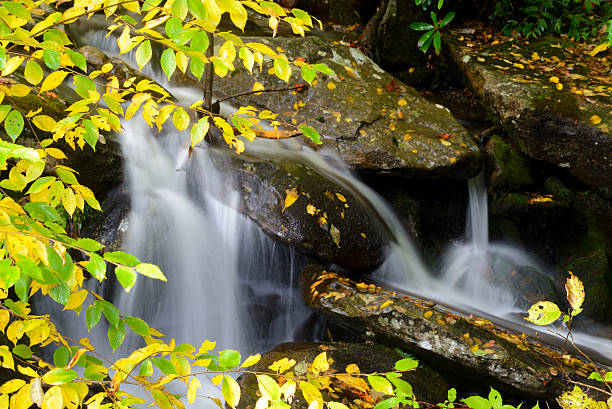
{"x":508,"y":169}
{"x":427,"y":384}
{"x":592,"y":270}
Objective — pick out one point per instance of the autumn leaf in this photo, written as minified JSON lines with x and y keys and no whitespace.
{"x":543,"y":313}
{"x":292,"y":196}
{"x":575,"y":291}
{"x":595,"y":119}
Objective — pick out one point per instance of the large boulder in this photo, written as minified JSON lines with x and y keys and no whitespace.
{"x":371,"y":120}
{"x":427,"y":384}
{"x":326,"y":220}
{"x":551,"y":110}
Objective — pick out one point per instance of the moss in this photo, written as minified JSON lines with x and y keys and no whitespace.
{"x":509,"y":170}
{"x":592,"y":270}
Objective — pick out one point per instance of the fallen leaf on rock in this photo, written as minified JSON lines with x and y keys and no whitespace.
{"x":290,"y":198}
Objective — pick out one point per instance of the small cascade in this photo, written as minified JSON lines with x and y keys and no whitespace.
{"x":478,"y":271}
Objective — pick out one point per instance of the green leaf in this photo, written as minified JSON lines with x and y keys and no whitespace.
{"x":199,"y":42}
{"x":199,"y":131}
{"x":406,"y":364}
{"x":447,"y":19}
{"x":83,"y":85}
{"x":95,"y":372}
{"x":88,"y":244}
{"x":196,"y":66}
{"x":282,"y":69}
{"x":91,"y":133}
{"x":403,"y":388}
{"x":336,"y":405}
{"x":311,"y":133}
{"x":110,"y":312}
{"x":144,"y":53}
{"x":543,"y":313}
{"x":8,"y":273}
{"x":388,"y":403}
{"x":380,"y":384}
{"x":116,"y":335}
{"x":126,"y":276}
{"x":93,"y":313}
{"x":52,"y":59}
{"x":2,"y":58}
{"x":495,"y":399}
{"x":22,"y":351}
{"x":22,"y":288}
{"x":197,"y":9}
{"x":424,"y":38}
{"x":477,"y":402}
{"x":437,"y":42}
{"x":452,"y":394}
{"x":421,"y":26}
{"x":61,"y":357}
{"x":17,"y":9}
{"x":308,"y":73}
{"x":173,"y":27}
{"x":151,"y":271}
{"x":231,"y":391}
{"x":229,"y":358}
{"x":60,"y":376}
{"x":164,"y":365}
{"x":161,"y":399}
{"x":146,"y":368}
{"x":168,"y":62}
{"x":13,"y":124}
{"x":596,"y":376}
{"x":60,"y":293}
{"x":180,"y":9}
{"x":323,"y":69}
{"x":138,"y":326}
{"x":121,"y":257}
{"x":77,"y":59}
{"x":268,"y":387}
{"x":96,"y":266}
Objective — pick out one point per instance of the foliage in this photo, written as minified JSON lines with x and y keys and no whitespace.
{"x":432,"y":33}
{"x":579,"y":19}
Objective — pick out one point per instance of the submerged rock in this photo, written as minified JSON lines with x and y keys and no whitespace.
{"x":550,"y":111}
{"x":475,"y":345}
{"x":298,"y":206}
{"x":369,"y":119}
{"x":427,"y":384}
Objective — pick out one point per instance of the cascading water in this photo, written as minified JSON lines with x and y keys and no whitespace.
{"x":225,"y":275}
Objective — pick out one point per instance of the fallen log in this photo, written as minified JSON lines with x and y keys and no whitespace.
{"x":479,"y":347}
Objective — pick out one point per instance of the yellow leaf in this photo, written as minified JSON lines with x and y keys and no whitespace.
{"x":53,"y":399}
{"x":22,"y":399}
{"x":554,"y":79}
{"x":4,"y":319}
{"x":69,"y":201}
{"x":601,"y":47}
{"x":12,"y":386}
{"x":251,"y":360}
{"x":207,"y":346}
{"x":352,"y":368}
{"x":11,"y":65}
{"x":45,"y":123}
{"x":292,"y":196}
{"x":320,"y":363}
{"x":27,"y":371}
{"x":76,"y":299}
{"x":385,"y":304}
{"x":559,"y":86}
{"x":53,"y":80}
{"x":311,"y":393}
{"x":402,"y":102}
{"x":180,"y":118}
{"x":56,"y":153}
{"x":575,"y":291}
{"x":194,"y":385}
{"x":428,"y":314}
{"x":543,"y":313}
{"x":231,"y":391}
{"x":331,"y":85}
{"x":335,"y":235}
{"x":257,"y":87}
{"x":19,"y":90}
{"x":216,"y":380}
{"x":595,"y":119}
{"x":311,"y":210}
{"x":340,"y":197}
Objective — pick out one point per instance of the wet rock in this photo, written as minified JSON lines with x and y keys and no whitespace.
{"x":391,"y":42}
{"x":427,"y":384}
{"x":110,"y":226}
{"x":509,"y":171}
{"x":327,"y":220}
{"x":369,"y":119}
{"x":547,"y":118}
{"x":475,"y":345}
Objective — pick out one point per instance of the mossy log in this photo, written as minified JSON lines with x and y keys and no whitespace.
{"x":469,"y":345}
